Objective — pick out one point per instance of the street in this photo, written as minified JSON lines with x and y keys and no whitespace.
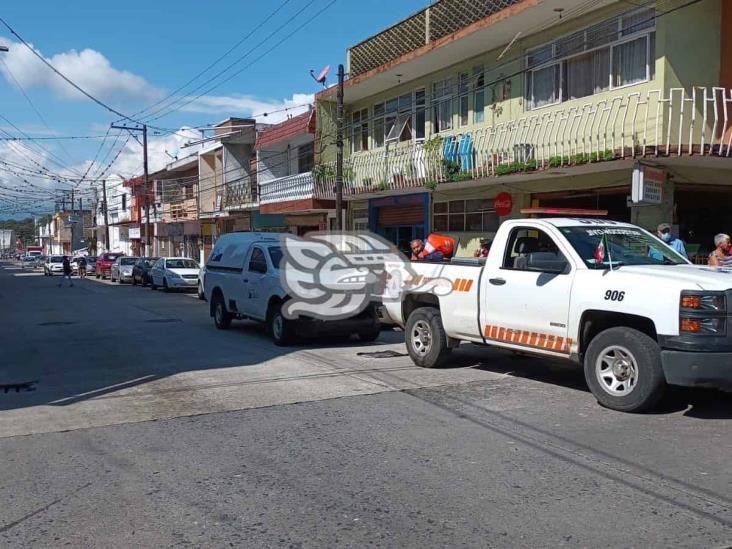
{"x":149,"y":427}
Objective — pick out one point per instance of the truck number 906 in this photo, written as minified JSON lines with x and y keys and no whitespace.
{"x":614,"y":295}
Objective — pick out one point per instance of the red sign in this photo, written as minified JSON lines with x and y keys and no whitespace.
{"x":503,"y":204}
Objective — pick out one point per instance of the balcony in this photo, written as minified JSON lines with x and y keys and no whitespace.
{"x":428,"y":25}
{"x":240,"y":195}
{"x":632,"y":126}
{"x":285,"y":189}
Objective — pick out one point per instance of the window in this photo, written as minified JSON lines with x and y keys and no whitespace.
{"x":189,"y":191}
{"x":477,"y":215}
{"x":275,"y":255}
{"x":463,"y":89}
{"x":257,"y":263}
{"x":533,"y":250}
{"x":419,"y":114}
{"x":394,"y":119}
{"x":442,"y":105}
{"x":306,"y":157}
{"x":360,"y":132}
{"x":479,"y":95}
{"x":124,"y":201}
{"x":613,"y":53}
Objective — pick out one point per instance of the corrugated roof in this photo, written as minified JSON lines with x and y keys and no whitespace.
{"x":297,"y":125}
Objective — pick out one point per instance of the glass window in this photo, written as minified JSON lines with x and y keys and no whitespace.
{"x":442,"y":105}
{"x":275,"y":255}
{"x":420,"y":118}
{"x":523,"y":243}
{"x":479,"y":96}
{"x":588,"y":74}
{"x":598,"y":246}
{"x":305,"y":158}
{"x":463,"y":88}
{"x":258,"y":263}
{"x":543,"y":86}
{"x":630,"y":62}
{"x":637,"y":21}
{"x":440,"y":207}
{"x":359,"y":132}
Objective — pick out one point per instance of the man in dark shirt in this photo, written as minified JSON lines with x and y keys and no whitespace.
{"x":67,"y":272}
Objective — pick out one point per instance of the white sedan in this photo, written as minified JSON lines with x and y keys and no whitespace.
{"x":174,"y":273}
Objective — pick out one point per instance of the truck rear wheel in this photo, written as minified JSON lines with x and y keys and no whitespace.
{"x":222,"y":317}
{"x":623,"y":370}
{"x":281,"y":329}
{"x":426,"y":338}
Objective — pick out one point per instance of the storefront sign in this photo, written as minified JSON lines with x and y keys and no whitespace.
{"x":175,"y":229}
{"x":647,"y":185}
{"x":503,"y":204}
{"x":135,"y":233}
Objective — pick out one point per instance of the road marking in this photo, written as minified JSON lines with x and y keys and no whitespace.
{"x":27,"y":274}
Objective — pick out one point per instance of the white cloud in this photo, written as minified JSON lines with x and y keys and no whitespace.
{"x":91,"y":70}
{"x":247,"y":105}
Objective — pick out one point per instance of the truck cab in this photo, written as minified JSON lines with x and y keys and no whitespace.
{"x":607,"y":295}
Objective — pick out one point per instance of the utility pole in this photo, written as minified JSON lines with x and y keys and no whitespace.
{"x":106,"y":219}
{"x":339,"y":151}
{"x":142,"y":128}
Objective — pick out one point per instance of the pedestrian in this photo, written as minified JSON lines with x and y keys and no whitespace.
{"x":81,"y":266}
{"x":437,"y":248}
{"x":67,"y":272}
{"x":664,"y":233}
{"x":485,"y":246}
{"x":720,"y":257}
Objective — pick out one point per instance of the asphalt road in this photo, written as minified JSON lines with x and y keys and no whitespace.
{"x":148,"y":427}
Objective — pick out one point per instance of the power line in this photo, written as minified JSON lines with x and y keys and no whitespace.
{"x":287,"y":37}
{"x":215,"y":62}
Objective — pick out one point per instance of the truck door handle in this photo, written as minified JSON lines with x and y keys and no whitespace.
{"x":497,"y":281}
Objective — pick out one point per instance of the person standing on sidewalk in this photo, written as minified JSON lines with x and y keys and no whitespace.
{"x":67,"y":272}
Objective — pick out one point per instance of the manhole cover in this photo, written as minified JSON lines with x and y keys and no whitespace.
{"x":164,"y":320}
{"x":382,"y":354}
{"x":18,"y":387}
{"x":57,"y":323}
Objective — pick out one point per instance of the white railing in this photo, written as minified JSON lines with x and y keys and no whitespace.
{"x":283,"y":189}
{"x":635,"y":125}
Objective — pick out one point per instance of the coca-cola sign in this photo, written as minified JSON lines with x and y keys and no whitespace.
{"x":503,"y":204}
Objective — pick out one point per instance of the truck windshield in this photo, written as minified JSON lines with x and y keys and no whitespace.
{"x":599,"y":246}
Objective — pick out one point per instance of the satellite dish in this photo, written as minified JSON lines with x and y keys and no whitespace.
{"x":320,"y":79}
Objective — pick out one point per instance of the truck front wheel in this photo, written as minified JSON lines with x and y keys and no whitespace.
{"x":426,"y":338}
{"x":623,"y":370}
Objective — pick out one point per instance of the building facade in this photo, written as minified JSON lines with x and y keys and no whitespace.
{"x":466,"y":113}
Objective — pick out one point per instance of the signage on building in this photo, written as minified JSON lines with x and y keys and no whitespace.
{"x":648,"y":183}
{"x":134,"y":233}
{"x":175,"y":229}
{"x":503,"y":204}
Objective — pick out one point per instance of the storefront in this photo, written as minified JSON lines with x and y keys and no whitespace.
{"x":614,"y":200}
{"x":301,"y":224}
{"x":400,"y":219}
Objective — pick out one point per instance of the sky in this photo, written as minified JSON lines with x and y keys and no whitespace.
{"x":133,"y":55}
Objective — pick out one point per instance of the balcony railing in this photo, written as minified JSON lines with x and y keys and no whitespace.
{"x":432,"y":23}
{"x":292,"y":187}
{"x":240,"y":194}
{"x":629,"y":126}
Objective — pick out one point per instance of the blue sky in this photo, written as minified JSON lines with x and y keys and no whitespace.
{"x":133,"y":53}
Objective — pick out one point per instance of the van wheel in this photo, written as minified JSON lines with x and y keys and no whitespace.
{"x":281,"y":329}
{"x":426,"y":338}
{"x":222,"y":317}
{"x":623,"y":370}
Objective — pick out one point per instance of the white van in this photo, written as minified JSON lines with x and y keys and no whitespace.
{"x":243,"y":282}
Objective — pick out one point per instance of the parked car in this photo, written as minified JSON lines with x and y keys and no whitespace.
{"x":141,"y":270}
{"x":54,"y":265}
{"x":121,"y":270}
{"x":179,"y":273}
{"x":91,"y":264}
{"x":104,"y":264}
{"x":201,"y":278}
{"x":243,"y":281}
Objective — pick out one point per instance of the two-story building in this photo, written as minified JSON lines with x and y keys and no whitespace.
{"x":467,"y":113}
{"x":285,"y":157}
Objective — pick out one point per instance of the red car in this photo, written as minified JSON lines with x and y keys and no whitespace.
{"x":104,"y":264}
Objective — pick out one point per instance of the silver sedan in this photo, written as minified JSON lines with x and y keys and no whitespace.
{"x":122,"y":269}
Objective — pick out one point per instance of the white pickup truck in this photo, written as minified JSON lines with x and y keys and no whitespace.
{"x":609,"y":296}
